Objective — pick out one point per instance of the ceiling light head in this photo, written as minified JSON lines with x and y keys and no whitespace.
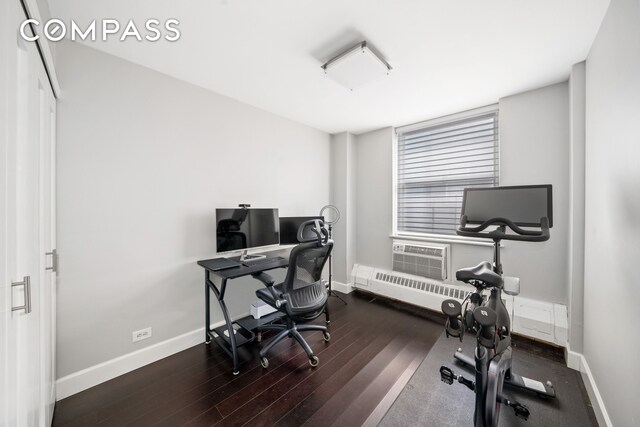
{"x":356,"y":67}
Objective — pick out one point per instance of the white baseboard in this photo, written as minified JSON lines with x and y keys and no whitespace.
{"x":574,"y":359}
{"x":94,"y":375}
{"x":341,"y":287}
{"x":578,"y":362}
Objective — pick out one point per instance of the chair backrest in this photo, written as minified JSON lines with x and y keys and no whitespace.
{"x":307,"y":259}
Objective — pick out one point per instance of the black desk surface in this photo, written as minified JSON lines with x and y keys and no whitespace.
{"x":242,"y":270}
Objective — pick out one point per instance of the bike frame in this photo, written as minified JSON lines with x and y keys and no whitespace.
{"x":493,"y":353}
{"x":492,"y":364}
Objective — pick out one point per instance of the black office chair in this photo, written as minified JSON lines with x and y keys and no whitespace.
{"x":302,"y":296}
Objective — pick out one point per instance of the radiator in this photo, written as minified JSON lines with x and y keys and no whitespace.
{"x":421,"y":291}
{"x":536,"y":319}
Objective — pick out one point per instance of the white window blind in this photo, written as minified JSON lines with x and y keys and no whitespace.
{"x":436,"y":163}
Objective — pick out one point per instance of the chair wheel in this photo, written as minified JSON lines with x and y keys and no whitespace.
{"x":313,"y":361}
{"x":259,"y":337}
{"x":264,"y":362}
{"x":326,"y":336}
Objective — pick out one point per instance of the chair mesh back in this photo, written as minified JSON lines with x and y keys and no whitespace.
{"x":306,"y":262}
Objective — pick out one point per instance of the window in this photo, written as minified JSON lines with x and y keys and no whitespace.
{"x":436,"y":162}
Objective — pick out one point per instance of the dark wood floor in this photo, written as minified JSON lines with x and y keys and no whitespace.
{"x":373,"y":352}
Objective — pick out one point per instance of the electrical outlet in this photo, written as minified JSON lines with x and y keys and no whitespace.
{"x":142,"y":334}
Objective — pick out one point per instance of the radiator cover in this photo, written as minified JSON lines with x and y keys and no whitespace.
{"x":536,"y":319}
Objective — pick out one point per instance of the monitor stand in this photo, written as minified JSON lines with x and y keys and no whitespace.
{"x":246,"y":256}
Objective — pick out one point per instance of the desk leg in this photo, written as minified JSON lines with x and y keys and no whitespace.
{"x":232,"y":337}
{"x":207,"y":309}
{"x":227,"y":319}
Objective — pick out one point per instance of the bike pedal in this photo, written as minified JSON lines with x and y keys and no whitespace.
{"x":446,"y":375}
{"x":520,"y":410}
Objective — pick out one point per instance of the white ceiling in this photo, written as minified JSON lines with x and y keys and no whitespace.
{"x":447,"y":56}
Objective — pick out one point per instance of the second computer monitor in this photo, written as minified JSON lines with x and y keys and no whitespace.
{"x":289,"y":228}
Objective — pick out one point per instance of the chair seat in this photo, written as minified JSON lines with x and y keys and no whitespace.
{"x":307,"y":299}
{"x":481,"y":272}
{"x":265,"y":295}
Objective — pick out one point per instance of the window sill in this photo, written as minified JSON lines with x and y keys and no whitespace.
{"x":438,"y":238}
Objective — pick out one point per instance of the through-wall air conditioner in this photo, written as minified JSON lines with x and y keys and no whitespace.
{"x":430,"y":260}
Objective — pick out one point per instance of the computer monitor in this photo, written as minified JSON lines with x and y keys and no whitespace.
{"x":524,"y":204}
{"x":289,"y":226}
{"x":246,"y":228}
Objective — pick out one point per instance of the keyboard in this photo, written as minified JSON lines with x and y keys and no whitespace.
{"x":259,"y":261}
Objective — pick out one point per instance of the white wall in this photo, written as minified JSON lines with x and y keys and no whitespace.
{"x":534,"y":149}
{"x":143,"y":161}
{"x":577,"y":102}
{"x":374,"y":193}
{"x":612,"y":239}
{"x":45,"y":10}
{"x":343,"y":193}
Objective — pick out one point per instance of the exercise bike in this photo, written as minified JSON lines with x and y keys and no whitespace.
{"x":500,"y":213}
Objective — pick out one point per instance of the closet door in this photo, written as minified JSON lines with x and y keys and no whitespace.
{"x":27,"y":230}
{"x":7,"y":52}
{"x":48,"y":255}
{"x":24,"y":238}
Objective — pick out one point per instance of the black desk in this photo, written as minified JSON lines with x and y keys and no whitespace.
{"x":230,"y":341}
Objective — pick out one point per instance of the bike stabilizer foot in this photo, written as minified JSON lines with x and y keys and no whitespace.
{"x":447,"y":376}
{"x":521,"y":410}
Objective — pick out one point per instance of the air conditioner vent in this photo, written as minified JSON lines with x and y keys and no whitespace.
{"x":429,"y":260}
{"x":423,"y":250}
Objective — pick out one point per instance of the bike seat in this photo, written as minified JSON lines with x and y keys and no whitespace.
{"x":482,"y":273}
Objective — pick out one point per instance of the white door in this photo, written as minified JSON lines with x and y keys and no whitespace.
{"x":27,"y":229}
{"x":4,"y":277}
{"x":48,"y":256}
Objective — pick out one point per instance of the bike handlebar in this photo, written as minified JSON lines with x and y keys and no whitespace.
{"x":500,"y":232}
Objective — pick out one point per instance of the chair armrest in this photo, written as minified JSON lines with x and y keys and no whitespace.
{"x":264,"y":278}
{"x":268,"y":281}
